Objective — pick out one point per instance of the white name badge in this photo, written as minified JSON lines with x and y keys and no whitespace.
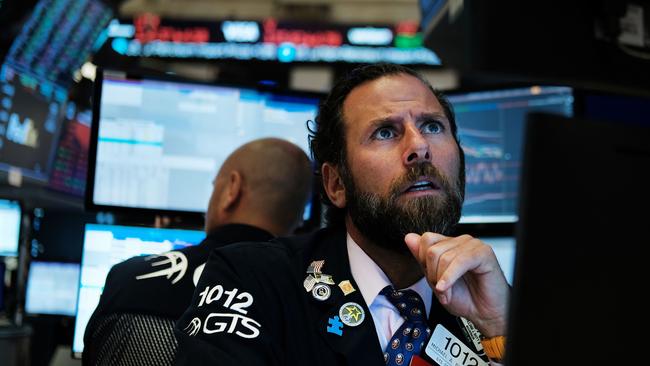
{"x":447,"y":350}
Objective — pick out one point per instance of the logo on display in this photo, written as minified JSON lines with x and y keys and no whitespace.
{"x":176,"y":261}
{"x":240,"y":31}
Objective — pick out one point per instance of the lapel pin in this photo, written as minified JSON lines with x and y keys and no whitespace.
{"x":309,"y":283}
{"x":346,"y":287}
{"x":321,"y":292}
{"x":335,"y":326}
{"x":325,"y":278}
{"x":315,"y":267}
{"x":351,"y":314}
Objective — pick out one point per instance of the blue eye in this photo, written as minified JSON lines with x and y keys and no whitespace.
{"x":384,"y":133}
{"x":432,"y":127}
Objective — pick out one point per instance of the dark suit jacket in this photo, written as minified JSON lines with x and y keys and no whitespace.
{"x":158,"y":295}
{"x":250,"y":308}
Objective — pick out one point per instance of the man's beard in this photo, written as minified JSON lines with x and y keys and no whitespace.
{"x":385,"y":221}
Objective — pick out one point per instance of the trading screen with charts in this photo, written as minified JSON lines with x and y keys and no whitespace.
{"x":491,"y":131}
{"x":161,"y":143}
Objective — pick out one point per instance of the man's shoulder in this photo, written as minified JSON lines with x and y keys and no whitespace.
{"x":294,"y":246}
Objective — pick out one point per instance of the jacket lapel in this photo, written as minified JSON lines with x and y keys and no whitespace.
{"x":358,"y":343}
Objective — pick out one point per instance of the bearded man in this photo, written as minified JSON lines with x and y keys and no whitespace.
{"x":384,"y":282}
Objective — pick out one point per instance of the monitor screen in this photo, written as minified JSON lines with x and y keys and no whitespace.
{"x":10,"y":218}
{"x":52,"y":288}
{"x":30,"y":111}
{"x":57,"y":38}
{"x":491,"y":129}
{"x":158,"y":144}
{"x":69,"y":169}
{"x":581,"y":259}
{"x":106,"y":245}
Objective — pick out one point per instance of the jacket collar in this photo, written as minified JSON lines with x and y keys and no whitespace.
{"x":232,"y":233}
{"x":357,"y":344}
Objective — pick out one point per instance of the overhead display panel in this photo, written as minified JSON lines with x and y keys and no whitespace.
{"x":149,"y":35}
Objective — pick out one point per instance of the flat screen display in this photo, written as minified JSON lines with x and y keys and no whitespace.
{"x":10,"y":215}
{"x":52,"y":288}
{"x":30,"y":119}
{"x":159,"y":144}
{"x":106,"y":245}
{"x":491,"y":130}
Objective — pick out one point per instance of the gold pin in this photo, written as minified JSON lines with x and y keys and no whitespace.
{"x":346,"y":287}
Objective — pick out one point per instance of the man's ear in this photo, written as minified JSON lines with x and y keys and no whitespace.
{"x":333,"y":184}
{"x":233,"y":191}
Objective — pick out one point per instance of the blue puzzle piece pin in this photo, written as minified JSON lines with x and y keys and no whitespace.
{"x":335,"y":326}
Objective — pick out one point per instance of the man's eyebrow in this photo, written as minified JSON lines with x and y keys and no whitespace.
{"x":384,"y":121}
{"x":431,"y":116}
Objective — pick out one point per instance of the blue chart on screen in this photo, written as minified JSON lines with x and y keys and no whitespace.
{"x":491,"y":130}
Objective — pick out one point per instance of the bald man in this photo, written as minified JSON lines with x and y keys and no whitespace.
{"x":260,"y":192}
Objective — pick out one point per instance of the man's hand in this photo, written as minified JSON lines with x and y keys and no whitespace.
{"x":466,"y":278}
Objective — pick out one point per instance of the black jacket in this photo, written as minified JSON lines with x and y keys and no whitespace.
{"x":250,"y":307}
{"x":165,"y":295}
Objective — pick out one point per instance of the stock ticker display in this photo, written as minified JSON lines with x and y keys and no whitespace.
{"x":491,"y":130}
{"x":58,"y":37}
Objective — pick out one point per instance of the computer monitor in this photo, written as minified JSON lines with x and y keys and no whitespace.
{"x":69,"y":170}
{"x":158,"y":144}
{"x":581,"y":262}
{"x":106,"y":245}
{"x":30,"y":116}
{"x":10,"y":221}
{"x":52,"y":288}
{"x":491,"y":126}
{"x":57,"y":38}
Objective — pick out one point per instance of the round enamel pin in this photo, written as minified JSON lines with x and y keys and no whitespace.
{"x":321,"y":292}
{"x":352,"y":314}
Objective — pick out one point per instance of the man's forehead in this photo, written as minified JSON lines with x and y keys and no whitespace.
{"x":389,"y":92}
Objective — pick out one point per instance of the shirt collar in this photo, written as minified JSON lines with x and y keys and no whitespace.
{"x":371,"y":279}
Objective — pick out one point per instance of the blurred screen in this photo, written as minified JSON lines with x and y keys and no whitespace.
{"x":57,"y":38}
{"x":30,"y":111}
{"x":52,"y":288}
{"x":106,"y":245}
{"x":10,"y":215}
{"x":71,"y":155}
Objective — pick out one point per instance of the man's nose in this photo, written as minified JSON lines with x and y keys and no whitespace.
{"x":417,"y":149}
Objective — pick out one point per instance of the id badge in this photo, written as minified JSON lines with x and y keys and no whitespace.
{"x":447,"y":350}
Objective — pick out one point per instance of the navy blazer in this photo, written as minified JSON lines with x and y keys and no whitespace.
{"x":250,"y":307}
